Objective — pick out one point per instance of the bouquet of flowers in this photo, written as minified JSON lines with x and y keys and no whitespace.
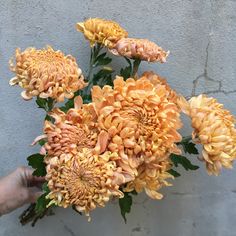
{"x":114,"y":134}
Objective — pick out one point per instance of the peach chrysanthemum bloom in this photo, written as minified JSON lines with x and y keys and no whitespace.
{"x":214,"y":128}
{"x":142,"y":49}
{"x":140,"y":120}
{"x":85,"y":180}
{"x":46,"y":73}
{"x":105,"y":32}
{"x":151,"y":178}
{"x":73,"y":131}
{"x":158,"y":80}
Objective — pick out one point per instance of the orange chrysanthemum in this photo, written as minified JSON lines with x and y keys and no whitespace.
{"x":46,"y":73}
{"x":101,"y":31}
{"x":157,"y":80}
{"x":73,"y":131}
{"x":140,"y":120}
{"x":142,"y":49}
{"x":151,"y":178}
{"x":214,"y":128}
{"x":85,"y":180}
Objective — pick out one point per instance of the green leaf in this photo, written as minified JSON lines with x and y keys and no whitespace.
{"x":96,"y":49}
{"x":50,"y":103}
{"x":87,"y":98}
{"x":109,"y":81}
{"x":188,"y":145}
{"x":190,"y":148}
{"x":47,"y":117}
{"x":45,"y":187}
{"x":125,"y":204}
{"x":104,"y":61}
{"x":181,"y":160}
{"x":41,"y":142}
{"x":128,"y":61}
{"x":174,"y":173}
{"x":126,"y":72}
{"x":42,"y":201}
{"x":104,"y":72}
{"x":100,"y":57}
{"x":36,"y":161}
{"x":42,"y":103}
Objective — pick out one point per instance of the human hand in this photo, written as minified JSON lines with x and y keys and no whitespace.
{"x":18,"y":188}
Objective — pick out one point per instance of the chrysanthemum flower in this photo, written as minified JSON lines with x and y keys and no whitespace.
{"x":46,"y":73}
{"x":157,"y":80}
{"x":140,"y":120}
{"x":73,"y":131}
{"x":86,"y":180}
{"x":151,"y":178}
{"x":142,"y":49}
{"x":214,"y":129}
{"x":101,"y":31}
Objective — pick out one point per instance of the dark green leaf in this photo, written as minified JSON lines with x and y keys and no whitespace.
{"x":125,"y":204}
{"x":129,"y":61}
{"x":87,"y":99}
{"x":41,"y":142}
{"x":104,"y":61}
{"x":174,"y":173}
{"x":190,"y":148}
{"x":42,"y":202}
{"x":188,"y":145}
{"x":181,"y":160}
{"x":96,"y":49}
{"x":45,"y":187}
{"x":36,"y":161}
{"x":101,"y":74}
{"x":42,"y":103}
{"x":100,"y":57}
{"x":126,"y":72}
{"x":50,"y":103}
{"x":47,"y":117}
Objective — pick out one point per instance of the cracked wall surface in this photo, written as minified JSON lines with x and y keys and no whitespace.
{"x":201,"y":38}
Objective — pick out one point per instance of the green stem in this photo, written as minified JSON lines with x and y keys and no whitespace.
{"x":93,"y":56}
{"x":136,"y":65}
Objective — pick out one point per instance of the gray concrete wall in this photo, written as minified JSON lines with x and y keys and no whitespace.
{"x":201,"y":37}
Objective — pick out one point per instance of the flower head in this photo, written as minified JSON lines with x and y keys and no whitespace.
{"x":46,"y":73}
{"x":101,"y":31}
{"x":151,"y":178}
{"x":142,"y":49}
{"x":141,"y":122}
{"x":214,"y":129}
{"x":86,"y":180}
{"x":73,"y":131}
{"x":157,"y":80}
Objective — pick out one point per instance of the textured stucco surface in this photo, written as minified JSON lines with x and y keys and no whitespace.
{"x":201,"y":37}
